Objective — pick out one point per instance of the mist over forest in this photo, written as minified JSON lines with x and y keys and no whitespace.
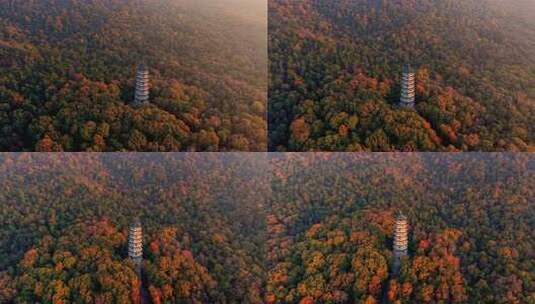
{"x":68,"y":73}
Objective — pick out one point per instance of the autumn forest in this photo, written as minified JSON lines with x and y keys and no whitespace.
{"x":267,"y":228}
{"x":67,"y":75}
{"x":330,"y":220}
{"x":335,"y":70}
{"x":267,"y":151}
{"x":64,"y":222}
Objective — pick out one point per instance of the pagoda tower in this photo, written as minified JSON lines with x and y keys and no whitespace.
{"x":135,"y":242}
{"x":407,"y":87}
{"x":142,"y":85}
{"x":400,"y":239}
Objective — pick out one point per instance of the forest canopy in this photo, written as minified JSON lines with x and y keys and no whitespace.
{"x":267,"y":228}
{"x":64,"y":227}
{"x":335,"y":69}
{"x":330,"y":221}
{"x":67,"y":75}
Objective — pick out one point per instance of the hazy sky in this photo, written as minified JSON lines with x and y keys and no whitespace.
{"x":251,"y":10}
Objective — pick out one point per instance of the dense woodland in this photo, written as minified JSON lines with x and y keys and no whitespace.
{"x":471,"y":216}
{"x":64,"y":221}
{"x":324,"y":235}
{"x":335,"y":69}
{"x":67,"y":75}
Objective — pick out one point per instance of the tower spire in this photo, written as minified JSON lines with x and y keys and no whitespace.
{"x":407,"y":87}
{"x":142,"y":85}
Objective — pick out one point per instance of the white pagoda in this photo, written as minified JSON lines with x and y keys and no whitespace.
{"x":401,"y":239}
{"x":407,"y":98}
{"x":142,"y":85}
{"x":135,"y":242}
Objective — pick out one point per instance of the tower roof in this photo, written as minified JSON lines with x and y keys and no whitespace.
{"x":135,"y":223}
{"x":407,"y":68}
{"x":142,"y":67}
{"x":400,"y":216}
